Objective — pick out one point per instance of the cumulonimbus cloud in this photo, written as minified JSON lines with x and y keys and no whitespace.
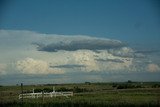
{"x":2,"y":69}
{"x":86,"y":43}
{"x":153,"y":68}
{"x":68,"y":66}
{"x":58,"y":54}
{"x":110,"y":60}
{"x":122,"y":52}
{"x":32,"y":66}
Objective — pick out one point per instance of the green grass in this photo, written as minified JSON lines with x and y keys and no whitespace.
{"x":94,"y":95}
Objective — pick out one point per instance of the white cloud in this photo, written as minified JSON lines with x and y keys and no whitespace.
{"x":32,"y":66}
{"x":19,"y":55}
{"x":3,"y":69}
{"x":113,"y":55}
{"x":153,"y":68}
{"x":123,"y":52}
{"x":113,"y":62}
{"x":86,"y":57}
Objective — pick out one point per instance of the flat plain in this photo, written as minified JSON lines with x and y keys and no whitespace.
{"x":118,"y":94}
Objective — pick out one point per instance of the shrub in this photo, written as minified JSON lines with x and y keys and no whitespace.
{"x":125,"y":86}
{"x":48,"y":89}
{"x":79,"y":90}
{"x":38,"y":90}
{"x":63,"y":89}
{"x":156,"y":86}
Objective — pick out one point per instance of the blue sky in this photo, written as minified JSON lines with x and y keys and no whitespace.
{"x":126,"y":20}
{"x":79,"y":40}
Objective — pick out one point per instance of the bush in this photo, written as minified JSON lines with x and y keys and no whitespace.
{"x":63,"y":89}
{"x":156,"y":86}
{"x":48,"y":89}
{"x":129,"y":81}
{"x":38,"y":90}
{"x":79,"y":90}
{"x":125,"y":86}
{"x":114,"y":85}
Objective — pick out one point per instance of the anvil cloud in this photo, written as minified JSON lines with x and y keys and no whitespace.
{"x":28,"y":52}
{"x":89,"y":44}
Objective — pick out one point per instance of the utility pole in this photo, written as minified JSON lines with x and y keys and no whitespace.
{"x":43,"y":97}
{"x":22,"y":93}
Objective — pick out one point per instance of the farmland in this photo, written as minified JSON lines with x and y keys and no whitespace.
{"x":134,"y":94}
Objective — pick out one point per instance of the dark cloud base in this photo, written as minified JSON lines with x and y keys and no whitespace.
{"x":110,"y":60}
{"x":90,"y":44}
{"x":68,"y":66}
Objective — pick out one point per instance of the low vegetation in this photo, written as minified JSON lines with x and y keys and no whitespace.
{"x":133,"y":94}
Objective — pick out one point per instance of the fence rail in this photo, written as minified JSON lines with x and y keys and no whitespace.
{"x":41,"y":94}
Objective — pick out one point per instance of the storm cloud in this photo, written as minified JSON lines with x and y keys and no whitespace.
{"x":89,"y":44}
{"x":32,"y":66}
{"x":122,"y":52}
{"x":68,"y":66}
{"x":27,"y":52}
{"x":110,"y":60}
{"x":148,"y":51}
{"x":2,"y":69}
{"x":153,"y":68}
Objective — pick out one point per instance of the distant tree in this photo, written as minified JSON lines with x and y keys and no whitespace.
{"x":79,"y":90}
{"x":156,"y":86}
{"x":129,"y":81}
{"x":114,"y":85}
{"x":88,"y":83}
{"x":38,"y":90}
{"x":120,"y":87}
{"x":63,"y":89}
{"x":48,"y":89}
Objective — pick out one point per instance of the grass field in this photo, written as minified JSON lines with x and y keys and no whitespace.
{"x":133,"y":94}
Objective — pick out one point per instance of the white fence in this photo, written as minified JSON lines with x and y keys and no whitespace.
{"x":41,"y":94}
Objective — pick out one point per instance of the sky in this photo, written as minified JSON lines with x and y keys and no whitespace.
{"x":67,"y":41}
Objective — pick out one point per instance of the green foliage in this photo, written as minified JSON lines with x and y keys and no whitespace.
{"x":63,"y":89}
{"x":48,"y":89}
{"x":128,"y":85}
{"x":88,"y":83}
{"x":129,"y":81}
{"x":38,"y":90}
{"x":75,"y":89}
{"x":79,"y":90}
{"x":156,"y":86}
{"x":42,"y":89}
{"x":114,"y":85}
